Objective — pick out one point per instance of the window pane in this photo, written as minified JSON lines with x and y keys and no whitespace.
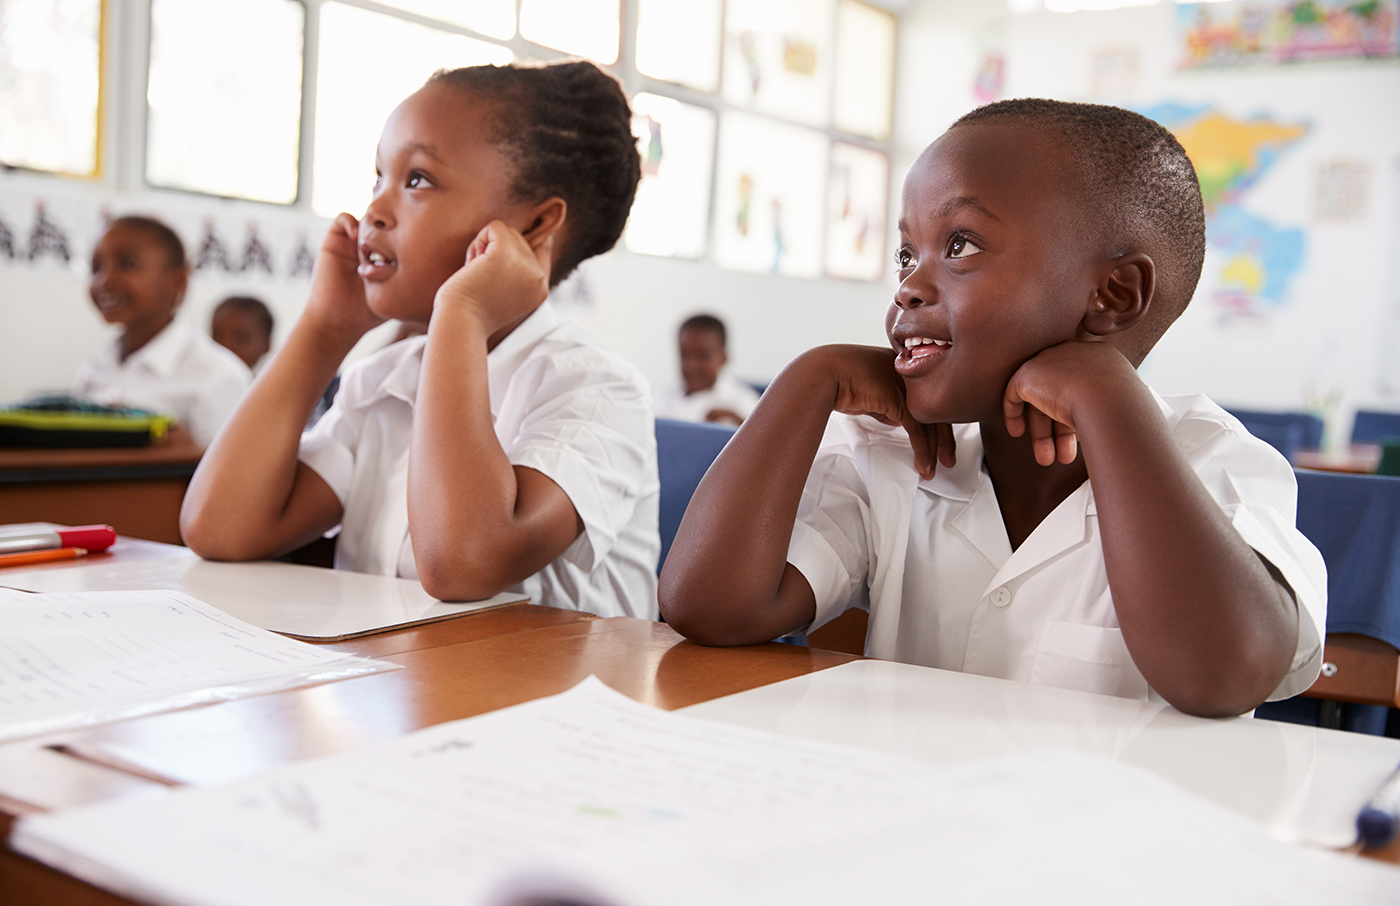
{"x":856,"y":212}
{"x":680,"y":42}
{"x":768,"y":196}
{"x":225,"y":97}
{"x":864,"y":87}
{"x":777,"y":57}
{"x":48,"y":84}
{"x":588,"y":28}
{"x":351,"y":109}
{"x":671,"y":213}
{"x":490,"y":17}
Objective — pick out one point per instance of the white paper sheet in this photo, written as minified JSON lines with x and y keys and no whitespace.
{"x":609,"y":801}
{"x":73,"y":660}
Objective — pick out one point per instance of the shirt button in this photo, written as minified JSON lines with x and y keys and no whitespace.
{"x":1002,"y":596}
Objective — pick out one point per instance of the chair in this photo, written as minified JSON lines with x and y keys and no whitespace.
{"x":1370,"y":427}
{"x":1284,"y":431}
{"x":684,"y":451}
{"x":1354,"y":520}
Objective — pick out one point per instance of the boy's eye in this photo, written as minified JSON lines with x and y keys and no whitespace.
{"x":418,"y":180}
{"x":962,"y":247}
{"x":904,"y":258}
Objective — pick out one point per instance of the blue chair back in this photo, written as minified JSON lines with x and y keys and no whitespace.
{"x":684,"y":451}
{"x":1284,"y":431}
{"x":1370,"y":427}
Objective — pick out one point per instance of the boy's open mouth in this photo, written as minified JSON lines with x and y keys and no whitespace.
{"x":916,"y":352}
{"x":375,"y":265}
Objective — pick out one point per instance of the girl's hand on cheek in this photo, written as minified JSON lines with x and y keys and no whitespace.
{"x":503,"y":279}
{"x":337,"y":296}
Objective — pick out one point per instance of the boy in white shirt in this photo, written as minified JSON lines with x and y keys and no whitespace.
{"x":503,"y":450}
{"x":1018,"y":503}
{"x":707,"y":393}
{"x":139,"y":276}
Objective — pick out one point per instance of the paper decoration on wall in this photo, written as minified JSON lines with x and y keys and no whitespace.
{"x":991,"y":76}
{"x":1256,"y":259}
{"x":303,"y":260}
{"x":7,"y":240}
{"x":1229,"y":34}
{"x":212,"y":253}
{"x":768,"y":202}
{"x":857,"y":207}
{"x":47,"y":237}
{"x":778,"y":56}
{"x":862,"y":101}
{"x":1115,"y":73}
{"x":671,"y":213}
{"x":1343,"y":187}
{"x":255,"y":254}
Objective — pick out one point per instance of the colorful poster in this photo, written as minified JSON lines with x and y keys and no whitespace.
{"x":1229,"y":34}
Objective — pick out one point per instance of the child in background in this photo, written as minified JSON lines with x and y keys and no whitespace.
{"x":503,"y":450}
{"x":1003,"y":492}
{"x":243,"y":326}
{"x":706,"y":393}
{"x":139,"y":276}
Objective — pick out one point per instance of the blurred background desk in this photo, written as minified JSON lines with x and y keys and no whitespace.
{"x":1357,"y":459}
{"x":136,"y":490}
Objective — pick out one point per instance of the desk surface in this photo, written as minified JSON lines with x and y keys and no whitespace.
{"x":178,"y":448}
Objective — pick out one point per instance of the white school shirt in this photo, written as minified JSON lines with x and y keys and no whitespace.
{"x":727,"y":393}
{"x":561,"y":406}
{"x":180,"y":371}
{"x":932,"y":563}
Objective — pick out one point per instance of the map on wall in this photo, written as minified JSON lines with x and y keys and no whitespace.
{"x":1256,"y":259}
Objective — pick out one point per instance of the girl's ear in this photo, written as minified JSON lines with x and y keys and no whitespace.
{"x":1123,"y":295}
{"x":544,"y":220}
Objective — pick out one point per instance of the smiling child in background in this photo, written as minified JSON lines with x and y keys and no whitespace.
{"x":139,"y":276}
{"x":707,"y":393}
{"x":243,"y":325}
{"x":503,"y":450}
{"x":1002,"y":491}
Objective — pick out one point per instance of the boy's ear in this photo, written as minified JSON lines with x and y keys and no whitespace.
{"x":1123,"y":295}
{"x":545,"y":220}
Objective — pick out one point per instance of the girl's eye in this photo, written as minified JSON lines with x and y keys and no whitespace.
{"x":904,"y":258}
{"x":962,"y":247}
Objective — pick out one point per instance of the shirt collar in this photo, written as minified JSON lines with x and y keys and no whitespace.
{"x":163,"y":353}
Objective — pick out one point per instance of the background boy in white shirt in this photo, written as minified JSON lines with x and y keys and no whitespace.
{"x":503,"y":449}
{"x":139,"y":277}
{"x":706,"y":393}
{"x":1078,"y":530}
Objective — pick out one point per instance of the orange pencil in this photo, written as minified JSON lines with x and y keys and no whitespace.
{"x":31,"y":557}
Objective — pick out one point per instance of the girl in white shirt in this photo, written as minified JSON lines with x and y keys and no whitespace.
{"x":503,"y":450}
{"x":139,"y":275}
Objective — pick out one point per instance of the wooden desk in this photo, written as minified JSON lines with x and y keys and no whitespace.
{"x":137,"y":490}
{"x":1357,"y":459}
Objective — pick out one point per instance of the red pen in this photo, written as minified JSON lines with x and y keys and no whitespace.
{"x":87,"y":537}
{"x":28,"y":558}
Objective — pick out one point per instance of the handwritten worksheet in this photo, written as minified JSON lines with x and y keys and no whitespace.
{"x":72,"y":660}
{"x":591,"y":798}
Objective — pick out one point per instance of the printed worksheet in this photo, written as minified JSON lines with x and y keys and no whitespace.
{"x":82,"y":658}
{"x":591,"y":798}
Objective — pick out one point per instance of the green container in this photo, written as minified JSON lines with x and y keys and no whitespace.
{"x":1390,"y":456}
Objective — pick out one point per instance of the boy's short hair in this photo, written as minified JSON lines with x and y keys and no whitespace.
{"x":163,"y":234}
{"x":567,"y":127}
{"x":1137,"y":181}
{"x":705,"y":322}
{"x":250,"y":305}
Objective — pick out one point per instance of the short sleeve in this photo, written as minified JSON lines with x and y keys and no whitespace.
{"x":328,"y":448}
{"x":831,"y":540}
{"x":1256,"y":488}
{"x":586,"y":423}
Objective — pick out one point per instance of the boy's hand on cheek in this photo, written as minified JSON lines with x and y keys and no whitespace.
{"x":337,"y":297}
{"x":867,"y":384}
{"x":1044,"y":393}
{"x":503,"y":279}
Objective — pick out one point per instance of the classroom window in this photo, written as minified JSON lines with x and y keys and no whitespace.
{"x":224,"y":117}
{"x":589,"y":28}
{"x":680,"y":42}
{"x":671,"y":213}
{"x":863,"y":92}
{"x":50,"y":57}
{"x":495,"y":18}
{"x":351,"y":108}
